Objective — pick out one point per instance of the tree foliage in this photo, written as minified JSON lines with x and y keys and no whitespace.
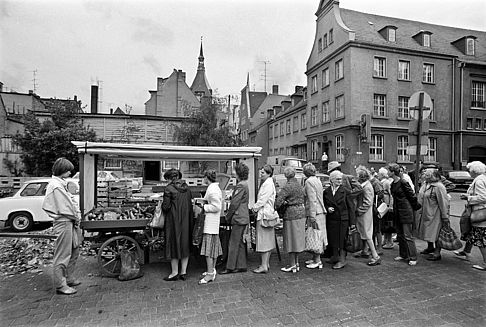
{"x":43,"y":142}
{"x":204,"y":129}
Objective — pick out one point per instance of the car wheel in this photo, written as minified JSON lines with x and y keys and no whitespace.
{"x":22,"y":222}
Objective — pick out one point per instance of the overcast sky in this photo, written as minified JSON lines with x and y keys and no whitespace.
{"x":126,"y":45}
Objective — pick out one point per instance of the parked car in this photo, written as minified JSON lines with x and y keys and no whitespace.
{"x":22,"y":210}
{"x":462,"y":179}
{"x":107,"y":175}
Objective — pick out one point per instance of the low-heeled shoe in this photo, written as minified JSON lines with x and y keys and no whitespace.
{"x":171,"y":279}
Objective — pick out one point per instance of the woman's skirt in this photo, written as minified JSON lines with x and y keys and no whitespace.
{"x":265,"y":238}
{"x":364,"y":224}
{"x":211,"y":246}
{"x":294,"y":235}
{"x":477,"y":236}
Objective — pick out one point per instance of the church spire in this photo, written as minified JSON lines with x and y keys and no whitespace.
{"x":200,"y":86}
{"x":201,"y":58}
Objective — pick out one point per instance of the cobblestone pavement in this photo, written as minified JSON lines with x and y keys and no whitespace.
{"x":442,"y":293}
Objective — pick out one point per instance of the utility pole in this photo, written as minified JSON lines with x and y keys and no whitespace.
{"x":265,"y":62}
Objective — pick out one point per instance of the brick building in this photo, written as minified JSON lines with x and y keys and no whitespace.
{"x":364,"y":66}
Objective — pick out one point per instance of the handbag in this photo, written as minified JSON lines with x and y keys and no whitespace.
{"x":448,"y":239}
{"x":465,"y":220}
{"x":383,"y":209}
{"x":197,"y":232}
{"x":158,"y":220}
{"x":313,"y":240}
{"x":353,"y":241}
{"x":478,"y":216}
{"x":269,"y":219}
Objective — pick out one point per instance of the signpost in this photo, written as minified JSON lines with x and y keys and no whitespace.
{"x":420,"y":106}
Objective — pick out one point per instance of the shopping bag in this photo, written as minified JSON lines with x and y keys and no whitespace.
{"x":353,"y":241}
{"x":130,"y":267}
{"x":197,"y":232}
{"x":465,"y":221}
{"x":313,"y":240}
{"x":158,"y":220}
{"x":478,"y":216}
{"x":448,"y":239}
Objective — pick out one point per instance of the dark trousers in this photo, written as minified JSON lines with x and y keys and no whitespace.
{"x":236,"y":249}
{"x":406,"y":243}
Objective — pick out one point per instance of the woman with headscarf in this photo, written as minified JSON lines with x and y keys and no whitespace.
{"x":177,"y":206}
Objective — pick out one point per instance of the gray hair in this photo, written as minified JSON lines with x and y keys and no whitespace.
{"x":383,"y":172}
{"x":363,"y":173}
{"x":476,"y":167}
{"x":289,"y":172}
{"x":335,"y":174}
{"x":309,"y":169}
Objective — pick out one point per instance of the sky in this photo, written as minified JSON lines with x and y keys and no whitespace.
{"x":125,"y":45}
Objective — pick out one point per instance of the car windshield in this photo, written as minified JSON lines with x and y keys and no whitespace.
{"x":115,"y":175}
{"x":294,"y":163}
{"x":459,"y":174}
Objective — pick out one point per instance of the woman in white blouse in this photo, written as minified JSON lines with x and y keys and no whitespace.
{"x":264,"y":207}
{"x":211,"y":245}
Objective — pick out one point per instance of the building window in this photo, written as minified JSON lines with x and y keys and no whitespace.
{"x":428,"y":73}
{"x":6,"y":145}
{"x":392,"y":35}
{"x":402,"y":144}
{"x":282,"y":130}
{"x":432,"y":111}
{"x":469,"y":123}
{"x":379,"y":67}
{"x":403,"y":111}
{"x":296,"y":123}
{"x":287,"y":126}
{"x":314,"y":84}
{"x":477,"y":123}
{"x":168,"y":164}
{"x":484,"y":124}
{"x":282,"y":151}
{"x":314,"y":150}
{"x":379,"y":105}
{"x":470,"y":45}
{"x":314,"y":116}
{"x":478,"y":95}
{"x":339,"y":73}
{"x":339,"y":105}
{"x":324,"y":41}
{"x":253,"y":139}
{"x":325,"y":77}
{"x":288,"y":151}
{"x":426,"y":40}
{"x":331,"y":36}
{"x":113,"y":164}
{"x":303,"y":121}
{"x":325,"y":112}
{"x":270,"y":132}
{"x":275,"y":131}
{"x":404,"y":70}
{"x":376,"y":147}
{"x":432,"y":151}
{"x":319,"y":45}
{"x":339,"y":147}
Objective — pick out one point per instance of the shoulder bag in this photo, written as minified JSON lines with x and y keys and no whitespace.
{"x":478,"y":216}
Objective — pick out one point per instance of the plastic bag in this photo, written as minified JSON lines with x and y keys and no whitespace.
{"x":158,"y":220}
{"x":313,"y":240}
{"x":130,"y":268}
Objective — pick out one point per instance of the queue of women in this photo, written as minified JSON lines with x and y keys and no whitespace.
{"x":351,"y":201}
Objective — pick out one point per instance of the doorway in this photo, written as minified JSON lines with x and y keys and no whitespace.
{"x":151,"y":170}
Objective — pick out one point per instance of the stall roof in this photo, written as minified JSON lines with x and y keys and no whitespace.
{"x":159,"y":151}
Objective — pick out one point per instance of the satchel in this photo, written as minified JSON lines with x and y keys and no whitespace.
{"x":465,"y":221}
{"x":353,"y":241}
{"x":158,"y":220}
{"x":448,"y":239}
{"x":130,"y":267}
{"x":478,"y":216}
{"x":197,"y":232}
{"x":313,"y":240}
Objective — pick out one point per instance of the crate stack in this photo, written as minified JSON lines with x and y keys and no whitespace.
{"x":113,"y":193}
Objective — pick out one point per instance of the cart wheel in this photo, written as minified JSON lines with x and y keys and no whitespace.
{"x":109,"y":254}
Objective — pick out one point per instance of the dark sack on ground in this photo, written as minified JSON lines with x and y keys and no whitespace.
{"x":130,"y":268}
{"x":353,"y":241}
{"x":448,"y":239}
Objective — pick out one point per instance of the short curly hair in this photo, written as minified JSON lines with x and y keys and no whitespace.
{"x":210,"y":174}
{"x":394,"y":168}
{"x":289,"y":172}
{"x":476,"y":167}
{"x":172,"y":174}
{"x":363,"y":173}
{"x":242,"y":171}
{"x":309,"y":169}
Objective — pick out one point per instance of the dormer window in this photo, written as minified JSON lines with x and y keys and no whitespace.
{"x":466,"y":44}
{"x":470,"y":46}
{"x":423,"y":38}
{"x":389,"y":33}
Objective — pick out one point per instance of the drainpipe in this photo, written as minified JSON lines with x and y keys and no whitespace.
{"x":461,"y":108}
{"x":453,"y":111}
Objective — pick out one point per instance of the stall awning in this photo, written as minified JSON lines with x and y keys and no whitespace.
{"x":158,"y":151}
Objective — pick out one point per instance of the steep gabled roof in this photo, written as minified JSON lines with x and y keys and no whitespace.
{"x":366,"y":27}
{"x":200,"y":85}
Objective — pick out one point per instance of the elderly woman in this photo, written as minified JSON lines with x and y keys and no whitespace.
{"x":211,"y":245}
{"x":364,"y":215}
{"x":59,"y":205}
{"x":264,"y":207}
{"x":476,"y":200}
{"x":179,"y":216}
{"x":387,"y":224}
{"x":404,"y":205}
{"x":315,"y":209}
{"x":238,"y":217}
{"x":434,"y":213}
{"x":338,"y":205}
{"x":291,"y":199}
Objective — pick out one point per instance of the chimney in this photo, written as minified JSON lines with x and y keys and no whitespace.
{"x":274,"y":89}
{"x":298,"y":89}
{"x":1,"y":87}
{"x":31,"y":92}
{"x":94,"y":99}
{"x":182,"y":75}
{"x":75,"y":98}
{"x":111,"y":111}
